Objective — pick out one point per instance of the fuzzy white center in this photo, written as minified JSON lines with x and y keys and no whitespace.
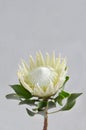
{"x":41,"y":76}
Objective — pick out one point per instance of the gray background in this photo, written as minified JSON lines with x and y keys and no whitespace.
{"x":27,"y":26}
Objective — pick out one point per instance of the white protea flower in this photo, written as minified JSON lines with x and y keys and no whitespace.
{"x":43,"y":77}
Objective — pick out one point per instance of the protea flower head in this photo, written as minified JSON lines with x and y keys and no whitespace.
{"x":43,"y":77}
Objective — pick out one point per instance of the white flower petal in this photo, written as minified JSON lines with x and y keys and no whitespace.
{"x":26,"y":86}
{"x":38,"y":90}
{"x":32,"y":63}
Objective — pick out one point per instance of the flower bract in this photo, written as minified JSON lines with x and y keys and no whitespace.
{"x":44,"y":76}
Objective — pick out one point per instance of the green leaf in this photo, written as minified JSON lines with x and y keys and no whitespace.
{"x":41,"y":113}
{"x":62,"y":95}
{"x":30,"y":113}
{"x":13,"y":96}
{"x":42,"y":104}
{"x":59,"y":99}
{"x":73,"y":96}
{"x":41,"y":107}
{"x":68,"y":106}
{"x":70,"y":101}
{"x":21,"y":91}
{"x":28,"y":102}
{"x":51,"y":104}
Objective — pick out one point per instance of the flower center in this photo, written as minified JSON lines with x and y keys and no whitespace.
{"x":42,"y":76}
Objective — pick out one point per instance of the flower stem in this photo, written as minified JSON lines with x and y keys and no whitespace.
{"x":45,"y":119}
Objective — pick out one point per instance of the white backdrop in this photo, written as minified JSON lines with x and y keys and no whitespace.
{"x":27,"y":26}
